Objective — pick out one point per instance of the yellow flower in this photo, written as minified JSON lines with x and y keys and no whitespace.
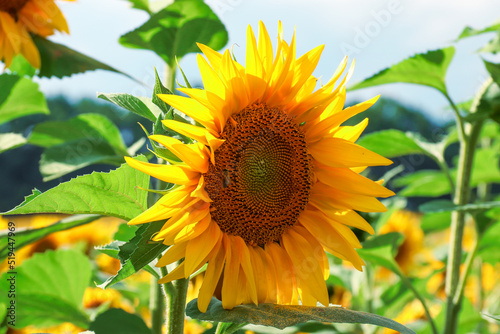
{"x":271,"y":181}
{"x":19,"y":19}
{"x":408,"y":224}
{"x":95,"y":297}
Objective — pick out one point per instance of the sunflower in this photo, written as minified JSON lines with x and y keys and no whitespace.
{"x":270,"y":181}
{"x":19,"y":18}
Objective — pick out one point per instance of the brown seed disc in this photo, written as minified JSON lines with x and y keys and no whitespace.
{"x":262,"y":176}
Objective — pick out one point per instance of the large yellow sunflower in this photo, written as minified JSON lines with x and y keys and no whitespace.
{"x":270,"y":182}
{"x":19,"y":18}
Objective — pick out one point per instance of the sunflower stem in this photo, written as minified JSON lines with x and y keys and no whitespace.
{"x":157,"y":306}
{"x":170,"y":71}
{"x":454,"y":297}
{"x":177,"y":307}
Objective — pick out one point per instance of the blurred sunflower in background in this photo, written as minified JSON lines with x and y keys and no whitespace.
{"x":270,"y":180}
{"x":19,"y":19}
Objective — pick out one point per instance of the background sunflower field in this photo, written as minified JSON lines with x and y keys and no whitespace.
{"x":70,"y":263}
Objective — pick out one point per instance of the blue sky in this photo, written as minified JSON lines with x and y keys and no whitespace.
{"x":377,"y":33}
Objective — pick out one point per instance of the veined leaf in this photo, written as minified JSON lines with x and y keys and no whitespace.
{"x":111,"y":194}
{"x":494,"y":70}
{"x":50,"y":288}
{"x":9,"y":141}
{"x":138,"y":253}
{"x":282,"y":316}
{"x":160,"y":89}
{"x":401,"y":143}
{"x":60,"y":61}
{"x":26,"y":236}
{"x":93,"y":127}
{"x":141,"y":4}
{"x":141,"y":106}
{"x":423,"y":183}
{"x":79,"y":142}
{"x":20,"y":97}
{"x":382,"y":249}
{"x":174,"y":31}
{"x":428,"y":69}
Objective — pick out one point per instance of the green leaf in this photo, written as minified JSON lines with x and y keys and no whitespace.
{"x":9,"y":141}
{"x":436,"y":221}
{"x":50,"y":288}
{"x":125,"y":232}
{"x":22,"y":67}
{"x":381,"y":249}
{"x":117,"y":320}
{"x":26,"y":236}
{"x":469,"y":31}
{"x":141,"y":4}
{"x":20,"y":97}
{"x":79,"y":142}
{"x":493,"y":45}
{"x":282,"y":316}
{"x":111,"y":194}
{"x":93,"y":127}
{"x":494,"y":70}
{"x":423,"y":183}
{"x":174,"y":31}
{"x":60,"y":61}
{"x":488,"y":105}
{"x":160,"y":89}
{"x":489,"y":248}
{"x":428,"y":69}
{"x":400,"y":143}
{"x":141,"y":106}
{"x":137,"y":253}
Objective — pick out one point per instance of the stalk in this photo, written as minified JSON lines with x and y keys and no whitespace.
{"x":466,"y":157}
{"x":178,"y":307}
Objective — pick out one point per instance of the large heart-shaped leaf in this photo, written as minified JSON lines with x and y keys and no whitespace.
{"x":175,"y":30}
{"x":117,"y":320}
{"x":428,"y":69}
{"x":111,"y":194}
{"x":50,"y":288}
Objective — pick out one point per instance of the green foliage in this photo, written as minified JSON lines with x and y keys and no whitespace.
{"x":141,"y":106}
{"x":160,"y":89}
{"x":137,"y":253}
{"x":50,"y":288}
{"x":282,"y":316}
{"x":401,"y":143}
{"x":111,"y":194}
{"x":489,"y":248}
{"x":60,"y":61}
{"x":175,"y":30}
{"x":21,"y":67}
{"x":118,"y":321}
{"x":428,"y":69}
{"x":381,"y":250}
{"x":423,"y":183}
{"x":27,"y":236}
{"x":141,"y":4}
{"x":19,"y":97}
{"x":9,"y":141}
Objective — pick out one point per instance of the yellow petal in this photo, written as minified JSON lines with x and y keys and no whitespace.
{"x":351,"y":133}
{"x":199,"y":247}
{"x":213,"y":56}
{"x":192,"y":108}
{"x":307,"y":269}
{"x":175,"y":274}
{"x":200,"y":191}
{"x":231,"y":276}
{"x":193,"y":155}
{"x":193,"y":213}
{"x":191,"y":231}
{"x":265,"y":48}
{"x":259,"y":270}
{"x":346,"y":180}
{"x":246,"y":265}
{"x":212,"y":274}
{"x":285,"y":276}
{"x":174,"y":253}
{"x":173,"y":174}
{"x":336,"y":152}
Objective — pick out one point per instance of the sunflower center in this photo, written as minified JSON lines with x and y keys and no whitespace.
{"x":12,"y":6}
{"x":262,"y":176}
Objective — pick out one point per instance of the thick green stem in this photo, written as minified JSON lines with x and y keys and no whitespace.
{"x":170,"y":76}
{"x":157,"y":306}
{"x":467,"y":149}
{"x":178,"y":307}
